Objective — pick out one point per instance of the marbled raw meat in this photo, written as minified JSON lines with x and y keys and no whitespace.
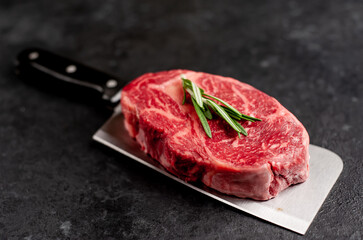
{"x":272,"y":157}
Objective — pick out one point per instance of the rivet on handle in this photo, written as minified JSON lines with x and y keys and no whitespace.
{"x":111,"y":83}
{"x":33,"y":55}
{"x":71,"y":69}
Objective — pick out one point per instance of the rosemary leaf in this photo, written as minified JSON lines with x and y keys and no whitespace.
{"x":231,"y":113}
{"x":243,"y":130}
{"x":235,"y":117}
{"x":249,"y":118}
{"x":202,"y":118}
{"x":224,"y":115}
{"x":187,"y":83}
{"x":225,"y":103}
{"x":240,"y":117}
{"x":197,"y":95}
{"x":212,"y":107}
{"x":207,"y":112}
{"x":184,"y":97}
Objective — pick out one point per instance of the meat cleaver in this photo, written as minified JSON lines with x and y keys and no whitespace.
{"x":294,"y":208}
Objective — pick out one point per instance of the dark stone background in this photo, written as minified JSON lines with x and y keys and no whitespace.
{"x":56,"y":183}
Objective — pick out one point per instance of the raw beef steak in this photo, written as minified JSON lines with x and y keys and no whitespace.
{"x":273,"y":156}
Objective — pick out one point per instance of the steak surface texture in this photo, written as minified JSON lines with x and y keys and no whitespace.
{"x":272,"y":157}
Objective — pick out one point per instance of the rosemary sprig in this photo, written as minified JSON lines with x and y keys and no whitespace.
{"x":203,"y":103}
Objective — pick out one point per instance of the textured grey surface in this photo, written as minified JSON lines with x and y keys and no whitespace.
{"x":56,"y":183}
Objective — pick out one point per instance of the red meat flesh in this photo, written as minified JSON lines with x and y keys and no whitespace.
{"x":272,"y":157}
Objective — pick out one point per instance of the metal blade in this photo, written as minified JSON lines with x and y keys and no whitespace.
{"x":294,"y":208}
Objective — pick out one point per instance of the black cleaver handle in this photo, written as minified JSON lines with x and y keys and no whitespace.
{"x":50,"y":70}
